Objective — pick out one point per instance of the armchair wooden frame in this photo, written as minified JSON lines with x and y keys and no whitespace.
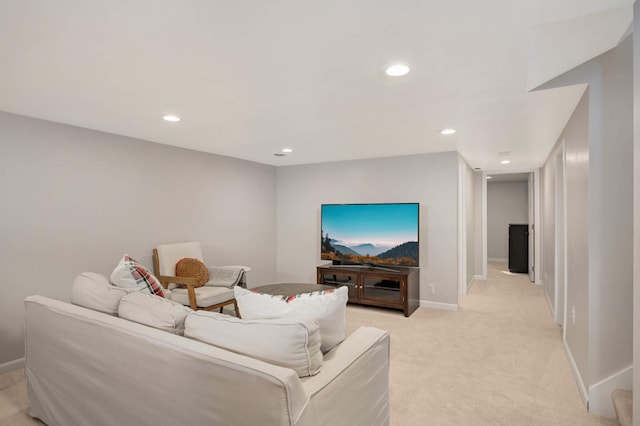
{"x":191,"y":284}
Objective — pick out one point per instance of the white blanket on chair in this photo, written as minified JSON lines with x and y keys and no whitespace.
{"x":225,"y":276}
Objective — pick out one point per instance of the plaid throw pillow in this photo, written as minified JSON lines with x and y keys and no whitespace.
{"x":129,"y":273}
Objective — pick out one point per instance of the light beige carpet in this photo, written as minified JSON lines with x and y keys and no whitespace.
{"x":13,"y":400}
{"x":497,"y":361}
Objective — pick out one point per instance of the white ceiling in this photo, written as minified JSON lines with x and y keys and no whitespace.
{"x":251,"y":77}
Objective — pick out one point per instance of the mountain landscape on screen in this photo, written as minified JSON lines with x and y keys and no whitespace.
{"x":383,"y":234}
{"x":405,"y":254}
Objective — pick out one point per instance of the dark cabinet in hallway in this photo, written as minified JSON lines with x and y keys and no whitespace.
{"x":519,"y":248}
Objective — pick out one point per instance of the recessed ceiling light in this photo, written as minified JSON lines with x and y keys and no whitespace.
{"x":448,"y":131}
{"x":506,"y":161}
{"x":171,"y":117}
{"x":287,"y":150}
{"x":397,"y":70}
{"x":489,"y":177}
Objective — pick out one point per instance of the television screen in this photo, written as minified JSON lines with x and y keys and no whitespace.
{"x":378,"y":234}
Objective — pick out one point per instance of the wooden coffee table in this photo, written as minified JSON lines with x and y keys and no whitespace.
{"x":288,"y":289}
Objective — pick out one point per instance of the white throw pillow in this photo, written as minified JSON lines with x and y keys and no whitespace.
{"x":154,"y":311}
{"x":290,"y":342}
{"x":94,"y":291}
{"x":328,"y":307}
{"x":129,"y":273}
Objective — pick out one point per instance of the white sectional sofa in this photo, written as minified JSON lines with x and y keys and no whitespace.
{"x":85,"y":367}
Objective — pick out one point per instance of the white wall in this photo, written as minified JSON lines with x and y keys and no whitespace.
{"x":507,"y":203}
{"x":430,"y":180}
{"x":599,"y":194}
{"x":76,"y":200}
{"x":611,"y":216}
{"x":577,"y":184}
{"x":636,"y":212}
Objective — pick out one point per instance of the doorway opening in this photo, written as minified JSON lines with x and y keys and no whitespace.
{"x":511,"y":213}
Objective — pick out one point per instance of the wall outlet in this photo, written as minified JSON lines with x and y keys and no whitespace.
{"x":573,"y":313}
{"x":431,"y":288}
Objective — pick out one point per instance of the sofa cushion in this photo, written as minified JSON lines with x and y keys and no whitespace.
{"x":289,"y":342}
{"x":94,"y":291}
{"x":205,"y":296}
{"x":154,"y":311}
{"x":193,"y":268}
{"x":328,"y":307}
{"x":131,"y":274}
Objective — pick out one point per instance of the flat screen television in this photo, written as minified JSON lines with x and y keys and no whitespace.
{"x":370,"y":234}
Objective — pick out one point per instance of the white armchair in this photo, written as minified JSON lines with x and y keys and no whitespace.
{"x":187,"y":290}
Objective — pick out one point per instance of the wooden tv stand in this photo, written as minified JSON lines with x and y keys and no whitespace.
{"x":393,"y":287}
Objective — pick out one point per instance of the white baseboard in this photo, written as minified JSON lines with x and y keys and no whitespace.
{"x":582,"y":389}
{"x":469,"y":284}
{"x":551,"y":307}
{"x":438,"y":305}
{"x":495,"y":259}
{"x":12,"y":365}
{"x":473,"y":280}
{"x":600,"y":402}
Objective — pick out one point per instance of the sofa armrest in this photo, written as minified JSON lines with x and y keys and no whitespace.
{"x":353,"y":385}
